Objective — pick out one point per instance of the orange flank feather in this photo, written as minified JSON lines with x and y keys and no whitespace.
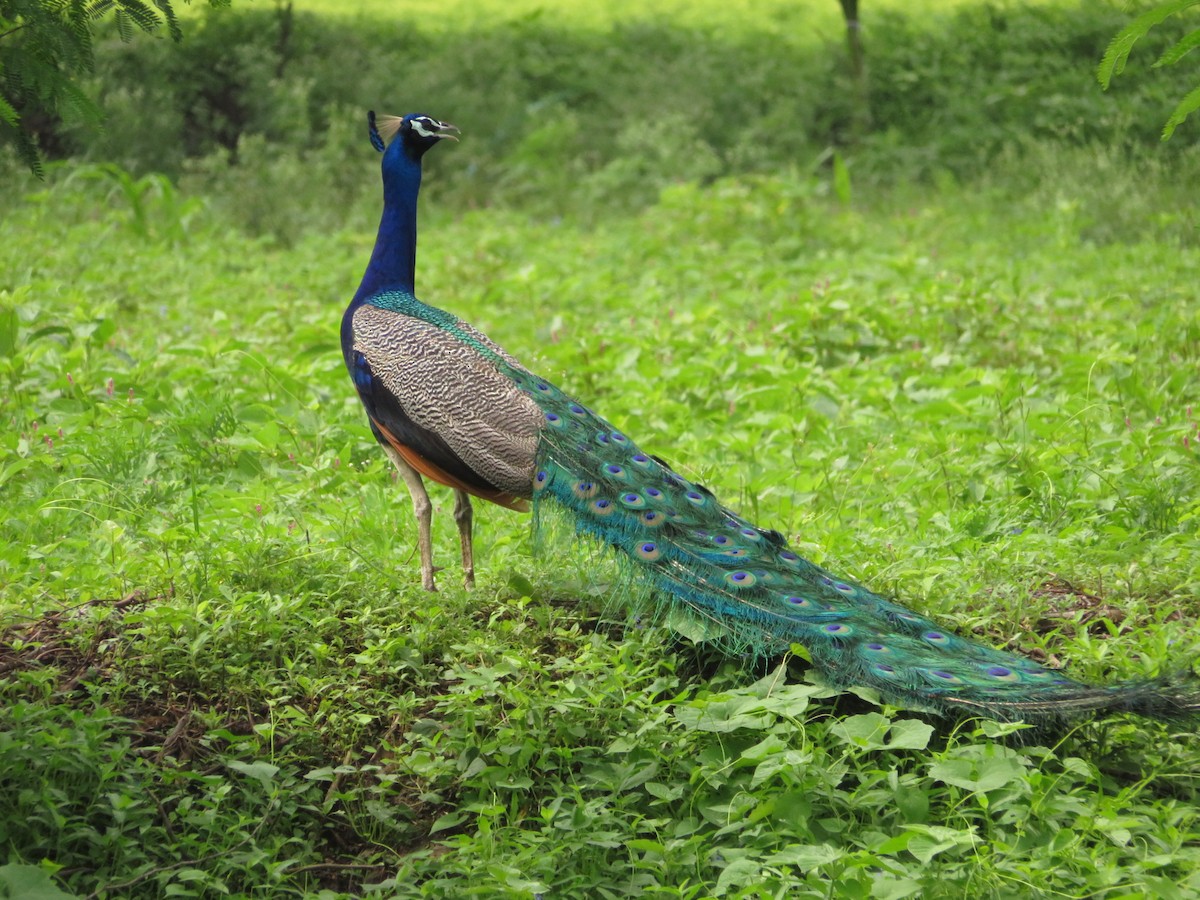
{"x":436,"y":473}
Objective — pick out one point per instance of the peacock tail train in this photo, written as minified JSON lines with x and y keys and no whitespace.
{"x":700,"y":558}
{"x":462,"y":411}
{"x":712,"y":563}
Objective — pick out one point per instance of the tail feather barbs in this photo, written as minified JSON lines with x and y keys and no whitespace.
{"x":703,"y":559}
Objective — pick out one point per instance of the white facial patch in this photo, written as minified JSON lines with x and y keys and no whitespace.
{"x":418,"y":125}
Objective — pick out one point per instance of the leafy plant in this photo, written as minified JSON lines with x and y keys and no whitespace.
{"x":971,"y":387}
{"x":213,"y":651}
{"x":45,"y":47}
{"x":263,"y":107}
{"x":1118,"y":52}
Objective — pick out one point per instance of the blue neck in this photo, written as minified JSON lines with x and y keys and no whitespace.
{"x":394,"y":259}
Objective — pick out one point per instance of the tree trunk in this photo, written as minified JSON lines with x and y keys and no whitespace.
{"x":860,"y":116}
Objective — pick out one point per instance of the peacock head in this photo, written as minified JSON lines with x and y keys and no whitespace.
{"x":414,"y":133}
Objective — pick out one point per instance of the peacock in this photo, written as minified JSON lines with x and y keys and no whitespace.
{"x":447,"y":403}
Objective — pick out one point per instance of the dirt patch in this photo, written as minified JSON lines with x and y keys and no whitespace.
{"x":58,"y":638}
{"x":1072,"y":608}
{"x":89,"y":644}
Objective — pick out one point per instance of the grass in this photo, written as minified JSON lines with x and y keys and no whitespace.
{"x":975,"y":392}
{"x":219,"y":674}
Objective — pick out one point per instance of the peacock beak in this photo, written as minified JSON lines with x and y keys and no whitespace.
{"x":444,"y":129}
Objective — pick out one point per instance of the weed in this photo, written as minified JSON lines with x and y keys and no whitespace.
{"x":975,"y":392}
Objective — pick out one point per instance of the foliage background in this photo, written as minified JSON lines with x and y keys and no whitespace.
{"x":955,"y":358}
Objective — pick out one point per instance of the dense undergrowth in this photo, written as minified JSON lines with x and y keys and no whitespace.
{"x":971,"y":386}
{"x":261,"y":110}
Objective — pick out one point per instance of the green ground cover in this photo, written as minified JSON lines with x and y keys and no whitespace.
{"x":975,"y":391}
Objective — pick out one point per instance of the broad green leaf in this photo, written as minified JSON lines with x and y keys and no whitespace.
{"x":806,"y":856}
{"x":260,"y":769}
{"x":909,"y":734}
{"x":865,"y":732}
{"x":22,"y":882}
{"x":448,"y":820}
{"x":984,"y":774}
{"x":887,"y":888}
{"x":724,"y":716}
{"x":737,"y":874}
{"x":931,"y":840}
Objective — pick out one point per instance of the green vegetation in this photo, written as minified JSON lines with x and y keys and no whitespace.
{"x":1118,"y":52}
{"x":261,"y":110}
{"x":973,"y":387}
{"x":45,"y":46}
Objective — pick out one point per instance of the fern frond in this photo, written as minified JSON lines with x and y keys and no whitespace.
{"x":124,"y":26}
{"x":1186,"y":107}
{"x":142,"y":15}
{"x":8,"y":114}
{"x":76,"y":104}
{"x":53,"y":46}
{"x":68,"y":46}
{"x":26,"y":148}
{"x":1119,"y":48}
{"x":1179,"y":50}
{"x":172,"y":20}
{"x":32,"y":77}
{"x":97,"y":8}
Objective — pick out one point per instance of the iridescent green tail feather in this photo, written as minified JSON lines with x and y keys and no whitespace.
{"x":699,"y":557}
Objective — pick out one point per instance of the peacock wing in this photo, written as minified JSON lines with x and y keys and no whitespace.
{"x":439,"y":398}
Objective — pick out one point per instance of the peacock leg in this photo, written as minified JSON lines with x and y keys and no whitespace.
{"x":423,"y":510}
{"x":462,"y":515}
